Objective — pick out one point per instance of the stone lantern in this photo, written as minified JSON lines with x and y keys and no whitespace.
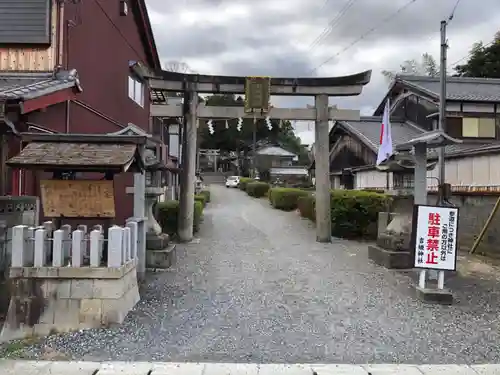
{"x":159,"y":250}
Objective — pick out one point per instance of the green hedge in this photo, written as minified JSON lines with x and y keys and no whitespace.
{"x":306,"y":206}
{"x":354,"y":212}
{"x":206,"y":194}
{"x":285,"y":199}
{"x":257,"y":189}
{"x":243,"y":182}
{"x":168,"y":216}
{"x":201,"y":198}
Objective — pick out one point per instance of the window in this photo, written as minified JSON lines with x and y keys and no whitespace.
{"x":483,"y":127}
{"x":403,"y":180}
{"x":25,"y":22}
{"x":136,"y":91}
{"x":471,"y":127}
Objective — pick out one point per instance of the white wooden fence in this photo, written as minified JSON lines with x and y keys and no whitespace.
{"x":45,"y":247}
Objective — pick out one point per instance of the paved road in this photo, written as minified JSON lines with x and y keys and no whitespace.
{"x":159,"y":368}
{"x":258,"y":288}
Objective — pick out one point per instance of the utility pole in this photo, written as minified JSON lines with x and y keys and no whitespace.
{"x":442,"y":105}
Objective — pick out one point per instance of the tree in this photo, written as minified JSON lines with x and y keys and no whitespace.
{"x":230,"y":139}
{"x":177,"y":66}
{"x":484,"y":60}
{"x":427,"y":66}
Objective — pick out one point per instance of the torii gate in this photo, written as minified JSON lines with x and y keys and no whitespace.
{"x":257,"y":93}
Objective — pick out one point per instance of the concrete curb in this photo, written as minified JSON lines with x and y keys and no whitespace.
{"x":10,"y":367}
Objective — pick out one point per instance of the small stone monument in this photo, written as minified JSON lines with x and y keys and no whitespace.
{"x":393,"y":243}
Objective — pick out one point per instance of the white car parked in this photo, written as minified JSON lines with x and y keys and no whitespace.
{"x":232,"y":181}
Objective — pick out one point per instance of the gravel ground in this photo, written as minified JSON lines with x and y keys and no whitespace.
{"x":258,"y":288}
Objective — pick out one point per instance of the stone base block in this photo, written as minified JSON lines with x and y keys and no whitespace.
{"x":161,"y":259}
{"x":389,"y":258}
{"x":435,"y":296}
{"x":395,"y":242}
{"x":157,"y":241}
{"x":40,"y":306}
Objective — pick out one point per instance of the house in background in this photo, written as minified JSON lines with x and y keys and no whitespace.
{"x":75,"y":67}
{"x":472,"y":115}
{"x":269,"y":156}
{"x":280,"y":163}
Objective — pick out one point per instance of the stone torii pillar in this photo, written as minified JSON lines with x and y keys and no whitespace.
{"x":320,"y":88}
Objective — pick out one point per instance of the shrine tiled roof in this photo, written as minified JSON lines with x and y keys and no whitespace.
{"x":31,"y":85}
{"x":47,"y":155}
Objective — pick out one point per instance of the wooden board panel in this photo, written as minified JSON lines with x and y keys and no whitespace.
{"x":29,"y":58}
{"x":78,"y":198}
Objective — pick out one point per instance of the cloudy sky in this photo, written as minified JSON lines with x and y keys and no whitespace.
{"x":297,"y":38}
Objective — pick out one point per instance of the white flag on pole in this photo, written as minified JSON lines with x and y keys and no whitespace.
{"x":385,"y":150}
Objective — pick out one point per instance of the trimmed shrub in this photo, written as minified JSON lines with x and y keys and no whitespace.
{"x":257,"y":189}
{"x":307,"y":207}
{"x":243,"y":182}
{"x":206,"y":194}
{"x":168,"y":216}
{"x":285,"y":198}
{"x":355,"y":212}
{"x":198,"y":216}
{"x":201,"y":198}
{"x":303,"y":185}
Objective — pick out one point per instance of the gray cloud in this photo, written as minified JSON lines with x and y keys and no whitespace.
{"x":264,"y":43}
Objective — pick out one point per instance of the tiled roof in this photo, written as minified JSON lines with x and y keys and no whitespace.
{"x":368,"y":131}
{"x":274,"y":151}
{"x":457,"y":88}
{"x":31,"y":85}
{"x":70,"y":155}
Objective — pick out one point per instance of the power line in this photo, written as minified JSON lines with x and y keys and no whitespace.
{"x":356,"y":41}
{"x":469,"y":55}
{"x":332,"y":24}
{"x":117,"y":29}
{"x":452,"y":14}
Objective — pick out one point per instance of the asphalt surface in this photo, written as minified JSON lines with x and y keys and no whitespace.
{"x":258,"y":288}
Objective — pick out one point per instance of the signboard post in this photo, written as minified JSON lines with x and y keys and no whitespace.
{"x":257,"y":97}
{"x":435,"y":231}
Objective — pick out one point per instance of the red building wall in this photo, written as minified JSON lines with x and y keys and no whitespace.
{"x":100,"y":45}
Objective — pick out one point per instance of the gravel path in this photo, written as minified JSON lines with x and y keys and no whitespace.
{"x":258,"y":288}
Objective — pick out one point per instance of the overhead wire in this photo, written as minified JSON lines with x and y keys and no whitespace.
{"x":469,"y":55}
{"x":452,"y":14}
{"x":365,"y":34}
{"x":332,"y":24}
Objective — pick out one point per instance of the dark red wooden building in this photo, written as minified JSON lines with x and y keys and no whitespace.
{"x":71,"y":68}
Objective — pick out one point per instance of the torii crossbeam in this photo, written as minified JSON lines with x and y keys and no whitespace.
{"x":320,"y":88}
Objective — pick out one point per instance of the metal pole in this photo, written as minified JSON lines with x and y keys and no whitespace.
{"x":442,"y":104}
